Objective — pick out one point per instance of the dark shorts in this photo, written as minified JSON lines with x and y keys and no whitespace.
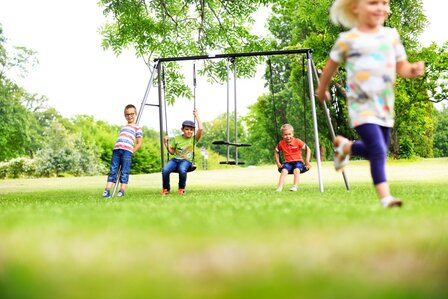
{"x":290,"y":166}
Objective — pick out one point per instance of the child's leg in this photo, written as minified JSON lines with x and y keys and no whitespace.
{"x":169,"y":167}
{"x":184,"y":165}
{"x":282,"y":178}
{"x":296,"y":177}
{"x":112,"y":176}
{"x":375,"y":140}
{"x":126,"y":159}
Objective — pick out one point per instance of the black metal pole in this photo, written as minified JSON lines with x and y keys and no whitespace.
{"x":234,"y":55}
{"x":159,"y":83}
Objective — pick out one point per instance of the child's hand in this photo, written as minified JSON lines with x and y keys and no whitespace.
{"x":322,"y":94}
{"x":166,"y":139}
{"x":195,"y":113}
{"x":418,"y":69}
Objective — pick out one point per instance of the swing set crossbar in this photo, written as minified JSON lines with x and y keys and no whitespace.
{"x":234,"y":55}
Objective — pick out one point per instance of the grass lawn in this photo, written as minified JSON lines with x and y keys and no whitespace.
{"x":231,"y":236}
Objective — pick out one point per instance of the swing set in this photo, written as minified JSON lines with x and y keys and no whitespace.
{"x":231,"y":59}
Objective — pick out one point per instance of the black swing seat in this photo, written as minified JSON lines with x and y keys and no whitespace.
{"x":231,"y":162}
{"x":192,"y":168}
{"x":223,"y":142}
{"x":292,"y":171}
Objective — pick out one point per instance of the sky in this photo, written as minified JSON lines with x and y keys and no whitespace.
{"x":79,"y":77}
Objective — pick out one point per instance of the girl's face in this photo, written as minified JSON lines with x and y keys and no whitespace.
{"x":288,"y":135}
{"x":371,"y":14}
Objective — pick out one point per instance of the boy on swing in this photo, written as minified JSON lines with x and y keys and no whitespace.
{"x":292,"y":152}
{"x":182,"y":148}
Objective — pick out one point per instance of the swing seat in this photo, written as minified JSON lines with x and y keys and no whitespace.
{"x":223,"y":142}
{"x":231,"y":162}
{"x":292,"y":171}
{"x":190,"y":169}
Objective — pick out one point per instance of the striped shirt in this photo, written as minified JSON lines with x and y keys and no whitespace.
{"x":127,"y":137}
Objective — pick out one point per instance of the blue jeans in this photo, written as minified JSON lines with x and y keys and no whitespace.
{"x":179,"y":165}
{"x":373,"y":146}
{"x":123,"y":158}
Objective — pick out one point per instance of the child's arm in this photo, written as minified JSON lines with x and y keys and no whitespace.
{"x":325,"y":79}
{"x":166,"y":141}
{"x":308,"y":157}
{"x":200,"y":128}
{"x":277,"y":159}
{"x":139,"y":144}
{"x":410,"y":70}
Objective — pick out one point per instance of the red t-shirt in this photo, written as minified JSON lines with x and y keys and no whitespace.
{"x":292,"y":152}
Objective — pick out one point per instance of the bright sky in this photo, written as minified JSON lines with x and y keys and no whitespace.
{"x":79,"y":77}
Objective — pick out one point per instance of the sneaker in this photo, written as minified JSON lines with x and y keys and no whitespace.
{"x":165,"y":192}
{"x":181,"y":191}
{"x":279,"y":189}
{"x":341,"y":159}
{"x":294,"y":188}
{"x":120,"y":193}
{"x":106,"y":193}
{"x":391,"y":202}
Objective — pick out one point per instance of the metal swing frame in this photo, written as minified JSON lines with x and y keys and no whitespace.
{"x":311,"y":74}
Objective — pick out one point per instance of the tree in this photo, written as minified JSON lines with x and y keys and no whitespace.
{"x":184,"y":28}
{"x":441,"y":133}
{"x":305,"y":24}
{"x":58,"y":156}
{"x":14,"y":137}
{"x":18,"y":135}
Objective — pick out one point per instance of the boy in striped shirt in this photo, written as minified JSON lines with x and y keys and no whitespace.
{"x":123,"y":151}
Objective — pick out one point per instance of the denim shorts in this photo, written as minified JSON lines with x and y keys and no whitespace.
{"x":290,"y":166}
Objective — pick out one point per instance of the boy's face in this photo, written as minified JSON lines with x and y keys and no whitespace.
{"x":188,"y":131}
{"x":287,"y":135}
{"x":130,"y":115}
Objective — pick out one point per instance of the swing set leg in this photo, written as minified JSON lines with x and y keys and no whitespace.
{"x":116,"y":182}
{"x":330,"y":125}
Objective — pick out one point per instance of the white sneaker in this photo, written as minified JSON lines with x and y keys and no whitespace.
{"x":391,"y":202}
{"x":279,"y":189}
{"x":294,"y":188}
{"x":340,"y":158}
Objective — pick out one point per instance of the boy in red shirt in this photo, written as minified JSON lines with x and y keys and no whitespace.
{"x":292,"y":153}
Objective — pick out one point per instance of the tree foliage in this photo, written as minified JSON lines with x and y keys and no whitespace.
{"x":305,"y":24}
{"x":184,"y":28}
{"x":20,"y":112}
{"x":441,"y":133}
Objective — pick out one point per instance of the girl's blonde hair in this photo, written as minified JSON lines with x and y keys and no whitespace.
{"x":341,"y":13}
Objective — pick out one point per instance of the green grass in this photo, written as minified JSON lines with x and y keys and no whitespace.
{"x":232,"y":236}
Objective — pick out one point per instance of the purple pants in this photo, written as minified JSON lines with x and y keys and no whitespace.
{"x":373,"y":146}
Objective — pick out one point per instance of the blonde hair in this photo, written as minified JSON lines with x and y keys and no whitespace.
{"x":286,"y":127}
{"x":341,"y":13}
